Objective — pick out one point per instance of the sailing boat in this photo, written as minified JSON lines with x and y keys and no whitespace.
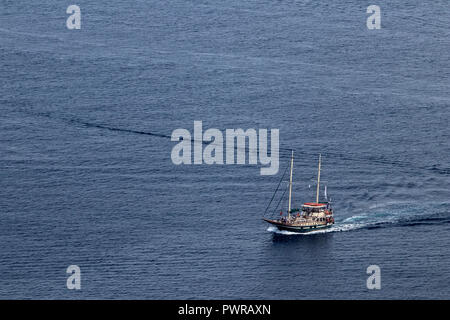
{"x":312,"y":216}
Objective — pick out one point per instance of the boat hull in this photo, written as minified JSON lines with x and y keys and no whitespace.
{"x":298,"y":229}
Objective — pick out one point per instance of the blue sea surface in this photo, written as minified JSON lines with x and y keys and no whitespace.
{"x":86,"y":176}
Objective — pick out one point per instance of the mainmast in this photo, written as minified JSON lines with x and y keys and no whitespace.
{"x":290,"y":184}
{"x":318,"y":180}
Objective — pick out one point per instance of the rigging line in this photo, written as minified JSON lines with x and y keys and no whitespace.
{"x":282,"y":196}
{"x":273,"y":196}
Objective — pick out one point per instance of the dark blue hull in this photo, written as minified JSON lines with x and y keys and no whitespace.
{"x":298,"y":229}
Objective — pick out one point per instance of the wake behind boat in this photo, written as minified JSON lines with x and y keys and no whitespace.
{"x":312,"y":216}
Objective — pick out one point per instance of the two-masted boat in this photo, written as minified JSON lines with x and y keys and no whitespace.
{"x":313,"y":216}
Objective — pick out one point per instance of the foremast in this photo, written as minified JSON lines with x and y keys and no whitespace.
{"x":290,"y":184}
{"x":318,"y":180}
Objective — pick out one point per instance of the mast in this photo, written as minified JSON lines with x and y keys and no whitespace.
{"x":318,"y":180}
{"x":290,"y":184}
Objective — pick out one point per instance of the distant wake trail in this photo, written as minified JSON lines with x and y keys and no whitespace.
{"x":99,"y":126}
{"x":284,"y":153}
